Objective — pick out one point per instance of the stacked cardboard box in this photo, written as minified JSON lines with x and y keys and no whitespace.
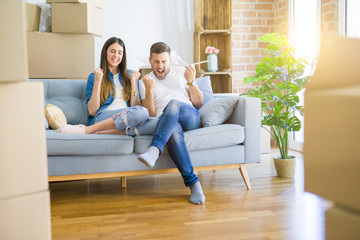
{"x":76,"y":16}
{"x":24,"y":194}
{"x":60,"y":55}
{"x":32,"y":13}
{"x":69,"y":51}
{"x":332,"y":114}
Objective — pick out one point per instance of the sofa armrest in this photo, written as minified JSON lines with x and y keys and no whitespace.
{"x":247,"y":113}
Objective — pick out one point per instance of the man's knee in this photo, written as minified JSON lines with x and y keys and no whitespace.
{"x":173,"y":105}
{"x":177,"y":134}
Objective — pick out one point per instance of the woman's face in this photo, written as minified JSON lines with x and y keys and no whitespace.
{"x":114,"y":55}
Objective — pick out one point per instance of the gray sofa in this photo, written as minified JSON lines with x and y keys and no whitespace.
{"x":71,"y":157}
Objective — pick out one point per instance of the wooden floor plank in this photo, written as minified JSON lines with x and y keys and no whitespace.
{"x":157,"y":207}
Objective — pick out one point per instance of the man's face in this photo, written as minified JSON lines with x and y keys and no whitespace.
{"x":160,"y":64}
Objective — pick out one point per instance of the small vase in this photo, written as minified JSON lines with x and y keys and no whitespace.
{"x":212,"y":65}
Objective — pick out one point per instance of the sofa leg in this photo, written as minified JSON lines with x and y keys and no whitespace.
{"x":245,"y":176}
{"x":123,"y":182}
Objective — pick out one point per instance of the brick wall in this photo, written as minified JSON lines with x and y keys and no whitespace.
{"x":254,"y":18}
{"x":329,"y":18}
{"x":251,"y":19}
{"x":282,"y":17}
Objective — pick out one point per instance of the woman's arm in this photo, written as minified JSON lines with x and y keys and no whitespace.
{"x":134,"y":97}
{"x":94,"y":102}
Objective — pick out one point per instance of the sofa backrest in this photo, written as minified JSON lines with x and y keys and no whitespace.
{"x":69,"y":96}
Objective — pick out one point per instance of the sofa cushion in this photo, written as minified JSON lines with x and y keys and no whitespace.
{"x":69,"y":95}
{"x":204,"y":84}
{"x":203,"y":138}
{"x":217,"y":111}
{"x":88,"y":144}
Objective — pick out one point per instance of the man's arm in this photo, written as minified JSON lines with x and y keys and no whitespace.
{"x":194,"y":92}
{"x":148,"y":101}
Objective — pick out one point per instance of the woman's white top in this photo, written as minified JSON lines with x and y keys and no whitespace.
{"x":118,"y":102}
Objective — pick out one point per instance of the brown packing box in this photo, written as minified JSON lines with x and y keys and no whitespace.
{"x":97,"y":3}
{"x":331,"y":147}
{"x":76,"y":18}
{"x":26,"y":217}
{"x":342,"y":224}
{"x":13,"y":52}
{"x":332,"y":113}
{"x":145,"y":70}
{"x":55,"y":55}
{"x":32,"y":12}
{"x":339,"y":65}
{"x":23,"y":165}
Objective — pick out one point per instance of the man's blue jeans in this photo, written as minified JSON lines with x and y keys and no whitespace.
{"x":177,"y":118}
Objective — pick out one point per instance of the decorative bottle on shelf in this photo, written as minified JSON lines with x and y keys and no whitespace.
{"x":212,"y":64}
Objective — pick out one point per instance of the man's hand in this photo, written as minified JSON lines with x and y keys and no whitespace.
{"x":148,"y":101}
{"x":149,"y":82}
{"x":190,"y":74}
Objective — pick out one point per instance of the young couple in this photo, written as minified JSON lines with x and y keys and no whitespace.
{"x":169,"y":98}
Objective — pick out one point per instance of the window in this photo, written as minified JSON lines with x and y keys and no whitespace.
{"x":349,"y":18}
{"x":305,"y":20}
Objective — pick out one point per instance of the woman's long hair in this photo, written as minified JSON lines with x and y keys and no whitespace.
{"x":106,"y":86}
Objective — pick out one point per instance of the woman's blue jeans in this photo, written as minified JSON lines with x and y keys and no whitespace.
{"x":127,"y":118}
{"x":177,"y":118}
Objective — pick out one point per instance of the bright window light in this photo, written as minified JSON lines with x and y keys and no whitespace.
{"x":353,"y":18}
{"x":306,"y":40}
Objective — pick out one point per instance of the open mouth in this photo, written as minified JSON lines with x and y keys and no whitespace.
{"x":160,"y":71}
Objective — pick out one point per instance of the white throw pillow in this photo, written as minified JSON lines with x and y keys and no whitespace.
{"x":217,"y":111}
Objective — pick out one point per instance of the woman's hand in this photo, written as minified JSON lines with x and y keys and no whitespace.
{"x":135,"y":75}
{"x":98,"y":73}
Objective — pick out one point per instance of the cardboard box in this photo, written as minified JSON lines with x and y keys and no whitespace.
{"x":23,"y":165}
{"x":331,"y":147}
{"x":76,"y":18}
{"x":13,"y":50}
{"x":342,"y":224}
{"x":97,"y":3}
{"x":338,"y":65}
{"x":145,"y":70}
{"x":55,"y":55}
{"x":32,"y":13}
{"x":26,"y":217}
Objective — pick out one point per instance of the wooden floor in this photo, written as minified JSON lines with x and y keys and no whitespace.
{"x":157,"y":207}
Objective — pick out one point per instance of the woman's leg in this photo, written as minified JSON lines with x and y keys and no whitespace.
{"x":102,"y":127}
{"x":111,"y":122}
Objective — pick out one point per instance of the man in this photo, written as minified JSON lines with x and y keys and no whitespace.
{"x":171,"y":94}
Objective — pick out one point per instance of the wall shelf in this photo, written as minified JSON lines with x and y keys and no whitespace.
{"x":213,"y":22}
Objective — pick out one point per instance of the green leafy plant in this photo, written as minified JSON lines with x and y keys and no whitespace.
{"x":281,"y":77}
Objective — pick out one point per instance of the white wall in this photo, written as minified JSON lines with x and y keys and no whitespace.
{"x":140,"y":23}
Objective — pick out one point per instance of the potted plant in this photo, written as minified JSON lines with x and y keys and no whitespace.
{"x":280,"y":78}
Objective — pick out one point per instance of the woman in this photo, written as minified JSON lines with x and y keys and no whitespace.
{"x":112,"y":96}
